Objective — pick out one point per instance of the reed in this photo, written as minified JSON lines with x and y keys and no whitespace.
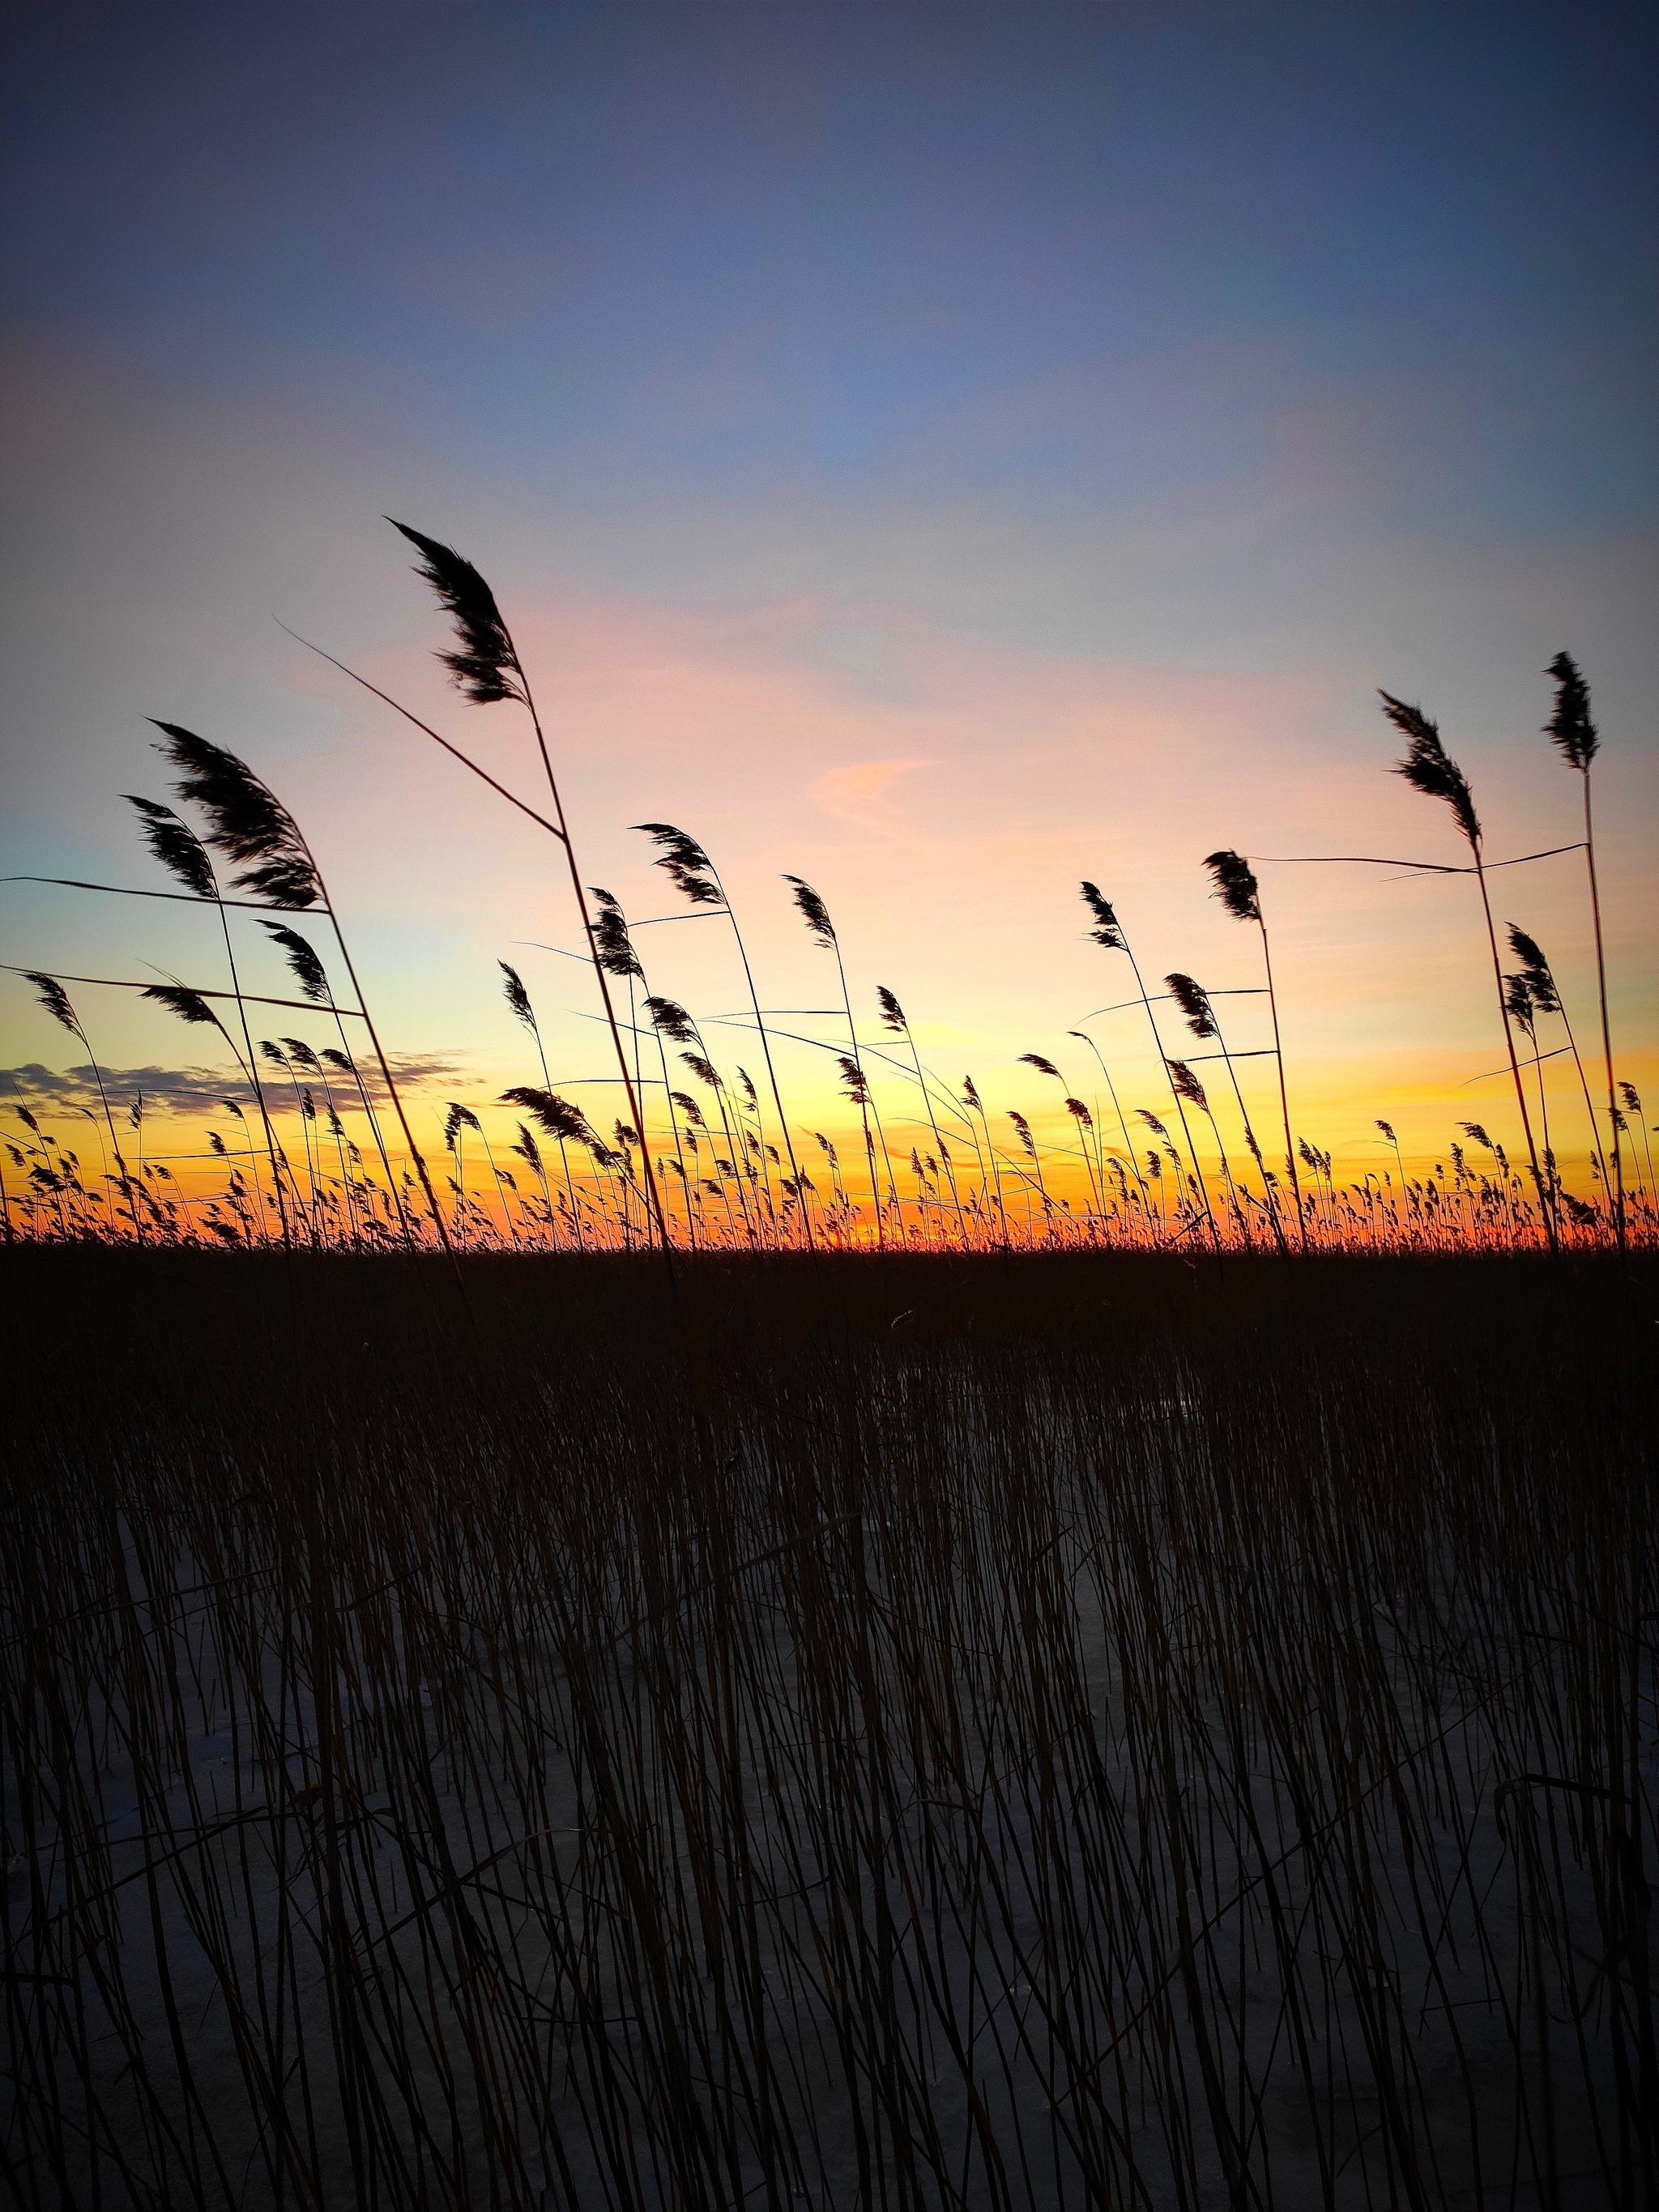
{"x":822,"y":930}
{"x":56,"y":1002}
{"x":694,"y":875}
{"x":1429,"y":768}
{"x":1578,"y":740}
{"x":1107,"y":933}
{"x":1096,"y":1729}
{"x":254,"y":857}
{"x":1237,"y":887}
{"x":893,"y":1017}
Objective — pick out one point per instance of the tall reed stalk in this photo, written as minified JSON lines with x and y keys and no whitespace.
{"x":1108,"y":933}
{"x":486,"y":669}
{"x":893,"y":1016}
{"x":693,"y":872}
{"x":56,"y":1002}
{"x":1578,"y":742}
{"x":816,"y":915}
{"x":188,"y":859}
{"x":1236,"y":886}
{"x":1083,"y":1037}
{"x":1429,"y":768}
{"x":1196,"y":1005}
{"x":252,"y":828}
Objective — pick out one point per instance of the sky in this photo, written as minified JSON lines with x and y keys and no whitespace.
{"x":945,"y":454}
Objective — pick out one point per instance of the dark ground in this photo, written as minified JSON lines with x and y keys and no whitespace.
{"x":1029,"y":1731}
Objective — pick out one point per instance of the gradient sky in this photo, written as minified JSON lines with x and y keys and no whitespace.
{"x":942,"y":453}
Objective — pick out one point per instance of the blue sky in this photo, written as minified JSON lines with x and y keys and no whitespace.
{"x":1060,"y":256}
{"x":1302,"y":348}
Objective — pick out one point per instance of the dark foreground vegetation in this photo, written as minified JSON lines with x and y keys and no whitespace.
{"x":1063,"y":1730}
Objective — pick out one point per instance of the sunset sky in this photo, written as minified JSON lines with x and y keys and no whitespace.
{"x":941,"y":452}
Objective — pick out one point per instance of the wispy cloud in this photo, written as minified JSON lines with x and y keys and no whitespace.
{"x":861,"y":795}
{"x":190,"y":1090}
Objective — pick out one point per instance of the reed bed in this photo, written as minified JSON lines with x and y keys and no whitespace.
{"x":705,"y":1169}
{"x":1038,"y":1729}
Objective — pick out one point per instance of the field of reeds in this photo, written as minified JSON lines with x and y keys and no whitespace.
{"x":312,"y":1143}
{"x":706,"y":1662}
{"x":1038,"y":1730}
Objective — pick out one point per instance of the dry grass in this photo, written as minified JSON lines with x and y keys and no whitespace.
{"x":1027,"y":1731}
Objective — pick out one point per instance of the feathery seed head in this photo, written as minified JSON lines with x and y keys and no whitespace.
{"x":611,"y":942}
{"x":189,"y":1006}
{"x":176,"y":846}
{"x":1187,"y":1085}
{"x":1535,"y":969}
{"x":1043,"y":1066}
{"x":892,"y":1014}
{"x":813,"y":912}
{"x":1569,"y":725}
{"x":1106,"y":931}
{"x":517,"y":997}
{"x":1429,"y":768}
{"x":249,"y":824}
{"x":857,"y":1083}
{"x":485,"y":669}
{"x":457,"y":1118}
{"x":304,"y":967}
{"x":671,"y":1018}
{"x":1194,"y":1003}
{"x":1235,"y":885}
{"x":689,"y":867}
{"x":555,"y":1116}
{"x":55,"y":998}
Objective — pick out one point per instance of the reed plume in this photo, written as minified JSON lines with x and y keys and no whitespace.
{"x":555,"y":1116}
{"x":484,"y":668}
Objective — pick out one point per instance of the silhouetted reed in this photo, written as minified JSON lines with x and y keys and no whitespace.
{"x":752,"y":1195}
{"x":1093,"y":1729}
